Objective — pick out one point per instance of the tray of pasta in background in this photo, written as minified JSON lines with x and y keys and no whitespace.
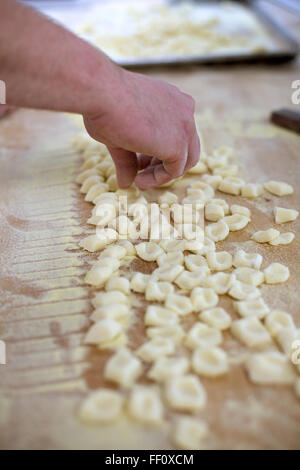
{"x":159,"y":32}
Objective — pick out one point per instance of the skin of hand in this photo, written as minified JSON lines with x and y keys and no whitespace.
{"x":153,"y":119}
{"x":148,"y":125}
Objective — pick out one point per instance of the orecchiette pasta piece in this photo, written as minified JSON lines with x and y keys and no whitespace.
{"x":252,"y":190}
{"x":276,"y":273}
{"x":179,"y":303}
{"x":202,"y":336}
{"x":98,"y":276}
{"x":241,"y":291}
{"x":102,"y":406}
{"x":118,"y":283}
{"x":217,"y":231}
{"x":160,"y":316}
{"x":287,"y":338}
{"x":95,"y":190}
{"x":158,"y":291}
{"x":173,"y":332}
{"x":84,"y":175}
{"x":114,"y":251}
{"x":112,"y":183}
{"x":190,"y":279}
{"x":219,"y":261}
{"x":167,"y":273}
{"x":236,"y":222}
{"x":283,"y":239}
{"x":106,"y":197}
{"x":185,"y":393}
{"x":89,"y":182}
{"x":224,"y":151}
{"x":212,"y":180}
{"x":145,"y":405}
{"x":231,"y":185}
{"x":249,"y":275}
{"x":271,"y":367}
{"x":94,"y":243}
{"x":276,"y":320}
{"x":103,"y":330}
{"x":265,"y":236}
{"x":123,"y":368}
{"x":155,"y":348}
{"x":200,"y":247}
{"x":210,"y":362}
{"x":102,"y":299}
{"x":201,"y":189}
{"x":194,"y":262}
{"x":148,"y":251}
{"x":217,"y":162}
{"x":278,"y":188}
{"x":203,"y":298}
{"x":172,"y":245}
{"x":255,"y":307}
{"x":229,"y":170}
{"x":242,"y":210}
{"x":216,"y":318}
{"x":189,"y":433}
{"x":251,"y":332}
{"x":283,"y":215}
{"x":167,"y":367}
{"x":113,"y":311}
{"x":90,"y":162}
{"x":214,"y":212}
{"x":220,"y":282}
{"x":139,"y":282}
{"x":250,"y":260}
{"x":170,"y":258}
{"x":105,"y":261}
{"x":124,"y":226}
{"x":129,"y":247}
{"x":221,"y":202}
{"x":167,"y":198}
{"x":199,"y":168}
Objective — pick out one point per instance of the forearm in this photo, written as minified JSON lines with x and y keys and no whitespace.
{"x":45,"y":66}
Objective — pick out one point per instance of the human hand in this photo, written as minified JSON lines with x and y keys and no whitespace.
{"x":152,"y":118}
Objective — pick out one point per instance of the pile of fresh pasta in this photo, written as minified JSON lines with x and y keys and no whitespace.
{"x":186,"y":279}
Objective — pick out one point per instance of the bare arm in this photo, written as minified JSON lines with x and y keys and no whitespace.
{"x":47,"y":67}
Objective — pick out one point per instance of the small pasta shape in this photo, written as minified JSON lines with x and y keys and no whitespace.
{"x":249,"y":260}
{"x":199,"y":168}
{"x":148,"y":251}
{"x":203,"y":298}
{"x":265,"y":236}
{"x":179,"y":303}
{"x":160,"y":316}
{"x":167,"y":273}
{"x":123,"y":368}
{"x":287,"y":338}
{"x":101,"y":406}
{"x":98,"y":276}
{"x":236,"y":222}
{"x":89,"y":182}
{"x":278,"y":188}
{"x":170,"y":246}
{"x":166,"y":368}
{"x":139,"y":282}
{"x":167,"y":198}
{"x":114,"y":251}
{"x":95,"y":190}
{"x":210,"y":362}
{"x":145,"y":405}
{"x":194,"y":262}
{"x":212,"y":180}
{"x":104,"y":330}
{"x":241,"y":291}
{"x":251,"y":332}
{"x":270,"y":367}
{"x":283,"y":239}
{"x":155,"y":348}
{"x":114,"y":312}
{"x":276,"y":273}
{"x":173,"y":332}
{"x":252,"y":190}
{"x":217,"y":231}
{"x":158,"y":291}
{"x":189,"y":279}
{"x":221,"y":202}
{"x":231,"y":185}
{"x":216,"y":318}
{"x":276,"y":320}
{"x":170,"y":258}
{"x":118,"y":283}
{"x":94,"y":243}
{"x":202,"y":336}
{"x":213,"y":212}
{"x":242,"y":210}
{"x":219,"y":261}
{"x":220,"y":282}
{"x":102,"y":299}
{"x":254,"y":307}
{"x":249,"y":275}
{"x":86,"y":174}
{"x":283,"y":215}
{"x":185,"y":393}
{"x":129,"y":247}
{"x":189,"y":433}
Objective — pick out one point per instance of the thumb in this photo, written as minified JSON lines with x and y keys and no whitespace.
{"x":126,"y":166}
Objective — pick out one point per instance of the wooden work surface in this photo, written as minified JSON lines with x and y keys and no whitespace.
{"x":45,"y":305}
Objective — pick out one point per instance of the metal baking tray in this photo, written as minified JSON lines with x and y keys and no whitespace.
{"x":288,"y":48}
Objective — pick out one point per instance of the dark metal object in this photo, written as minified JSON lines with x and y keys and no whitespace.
{"x":287,"y":118}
